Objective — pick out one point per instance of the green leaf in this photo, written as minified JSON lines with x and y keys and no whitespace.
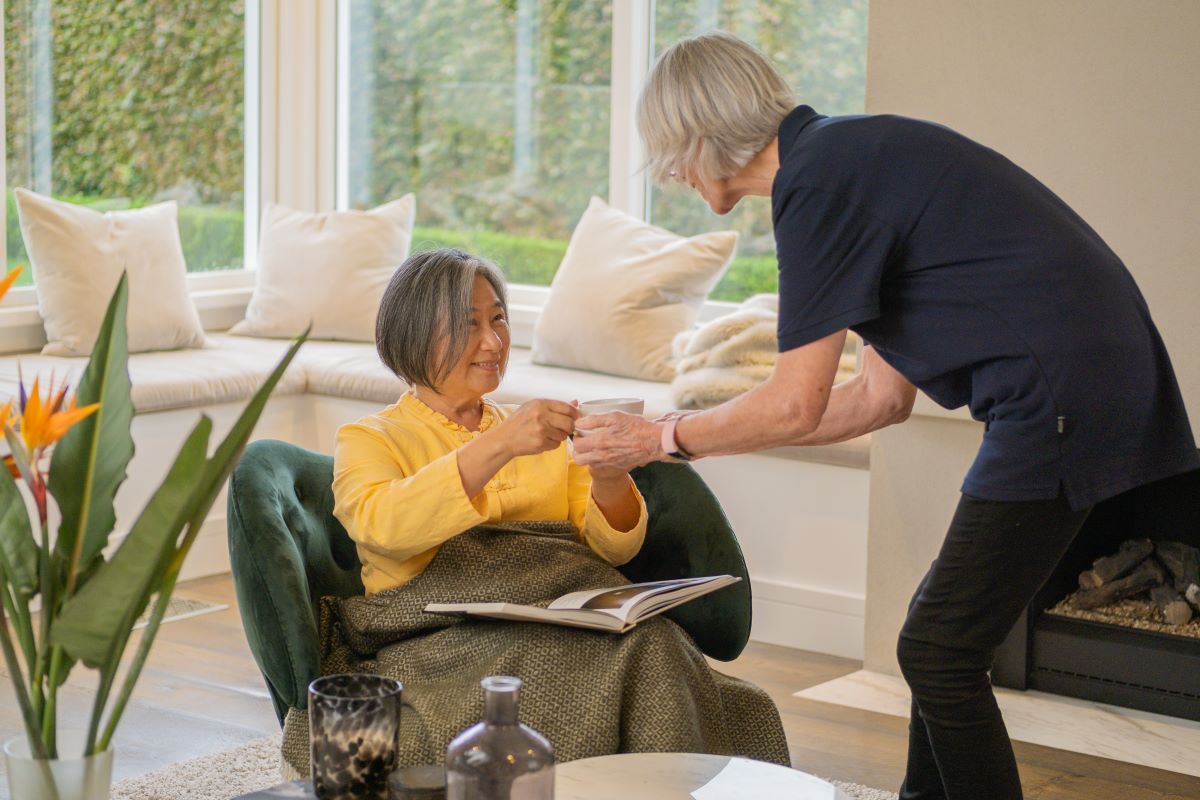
{"x":95,"y":623}
{"x":226,"y":457}
{"x":18,"y":552}
{"x":88,"y":465}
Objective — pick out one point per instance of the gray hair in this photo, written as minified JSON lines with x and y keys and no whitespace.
{"x":711,"y":103}
{"x":428,"y":301}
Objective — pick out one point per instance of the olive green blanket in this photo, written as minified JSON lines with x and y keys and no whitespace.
{"x":590,"y":693}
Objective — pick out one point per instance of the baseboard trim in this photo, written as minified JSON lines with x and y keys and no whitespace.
{"x":808,"y":618}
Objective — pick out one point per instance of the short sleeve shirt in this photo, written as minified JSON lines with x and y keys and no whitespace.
{"x":984,"y":289}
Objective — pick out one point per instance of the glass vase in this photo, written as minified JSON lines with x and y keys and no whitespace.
{"x":354,"y":728}
{"x":69,"y":777}
{"x":499,"y":758}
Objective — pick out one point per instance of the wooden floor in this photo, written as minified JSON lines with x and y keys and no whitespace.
{"x":201,"y":692}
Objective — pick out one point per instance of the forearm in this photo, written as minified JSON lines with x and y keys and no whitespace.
{"x":770,"y":416}
{"x":616,"y":499}
{"x":757,"y":420}
{"x":850,"y":414}
{"x":479,"y":460}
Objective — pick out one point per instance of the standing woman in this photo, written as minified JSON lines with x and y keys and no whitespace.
{"x":966,"y":278}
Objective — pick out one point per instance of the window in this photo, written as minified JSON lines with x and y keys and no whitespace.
{"x":820,"y":47}
{"x":119,"y":105}
{"x":496,"y":114}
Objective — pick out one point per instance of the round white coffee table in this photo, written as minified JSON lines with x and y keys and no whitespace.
{"x":664,"y":776}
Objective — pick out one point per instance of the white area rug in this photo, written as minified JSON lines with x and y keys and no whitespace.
{"x":255,"y":765}
{"x":179,"y":608}
{"x":1081,"y":726}
{"x":860,"y":792}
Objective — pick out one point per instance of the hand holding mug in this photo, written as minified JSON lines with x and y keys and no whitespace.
{"x":613,"y":437}
{"x":538,"y":426}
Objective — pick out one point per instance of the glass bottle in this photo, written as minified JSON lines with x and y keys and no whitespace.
{"x":499,"y":758}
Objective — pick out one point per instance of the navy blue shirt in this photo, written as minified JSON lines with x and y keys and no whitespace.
{"x":981,"y":287}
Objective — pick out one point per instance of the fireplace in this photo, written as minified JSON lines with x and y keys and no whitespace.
{"x":1152,"y":670}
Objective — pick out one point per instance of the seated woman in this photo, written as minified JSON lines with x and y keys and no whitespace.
{"x":444,"y":459}
{"x":448,"y":494}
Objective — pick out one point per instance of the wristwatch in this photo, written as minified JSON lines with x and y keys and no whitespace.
{"x":669,"y":445}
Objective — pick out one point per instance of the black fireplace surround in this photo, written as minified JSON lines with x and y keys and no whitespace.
{"x":1123,"y":666}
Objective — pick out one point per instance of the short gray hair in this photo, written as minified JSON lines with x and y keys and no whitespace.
{"x":428,"y":301}
{"x":711,"y":103}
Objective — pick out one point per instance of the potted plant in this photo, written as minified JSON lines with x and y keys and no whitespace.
{"x":89,"y":604}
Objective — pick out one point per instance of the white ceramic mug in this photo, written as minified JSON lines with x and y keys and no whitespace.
{"x":630,"y":405}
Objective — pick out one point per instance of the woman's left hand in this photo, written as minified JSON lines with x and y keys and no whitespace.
{"x":616,"y":442}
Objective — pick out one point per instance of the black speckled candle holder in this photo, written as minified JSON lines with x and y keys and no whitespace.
{"x":354,"y":727}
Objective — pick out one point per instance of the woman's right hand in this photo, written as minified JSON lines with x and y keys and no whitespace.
{"x":537,"y":426}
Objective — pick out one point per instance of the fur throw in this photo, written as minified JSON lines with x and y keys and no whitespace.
{"x":728,"y":356}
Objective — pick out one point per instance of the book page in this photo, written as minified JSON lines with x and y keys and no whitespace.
{"x":622,"y":601}
{"x":577,"y":618}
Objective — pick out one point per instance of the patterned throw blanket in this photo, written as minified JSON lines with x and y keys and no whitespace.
{"x":590,"y":693}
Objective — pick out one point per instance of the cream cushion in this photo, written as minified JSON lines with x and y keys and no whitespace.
{"x":329,"y":269}
{"x":623,"y":291}
{"x":349,"y":370}
{"x":78,"y":255}
{"x":230,"y":370}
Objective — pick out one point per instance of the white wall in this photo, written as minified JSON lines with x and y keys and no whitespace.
{"x":1100,"y":99}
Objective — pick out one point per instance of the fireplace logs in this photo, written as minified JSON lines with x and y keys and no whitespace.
{"x":1170,"y":602}
{"x":1145,"y":575}
{"x":1157,"y":581}
{"x":1183,"y":562}
{"x":1131,"y":554}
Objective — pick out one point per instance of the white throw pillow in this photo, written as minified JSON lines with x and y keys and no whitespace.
{"x":329,"y":269}
{"x":623,"y":291}
{"x":78,"y":255}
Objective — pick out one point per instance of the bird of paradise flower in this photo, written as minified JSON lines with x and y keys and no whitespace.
{"x":37,"y":422}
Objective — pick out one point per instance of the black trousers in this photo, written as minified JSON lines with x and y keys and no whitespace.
{"x":995,"y":557}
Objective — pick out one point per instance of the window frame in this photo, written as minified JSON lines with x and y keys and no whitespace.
{"x":632,"y":38}
{"x":296,"y":104}
{"x":220,"y":295}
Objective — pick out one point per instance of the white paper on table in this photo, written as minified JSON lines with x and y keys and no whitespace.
{"x":742,"y":779}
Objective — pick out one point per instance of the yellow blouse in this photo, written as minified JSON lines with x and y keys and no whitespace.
{"x":397,"y":491}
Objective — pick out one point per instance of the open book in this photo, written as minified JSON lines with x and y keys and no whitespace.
{"x":615,"y":610}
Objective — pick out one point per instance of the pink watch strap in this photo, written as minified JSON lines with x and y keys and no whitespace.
{"x":668,"y":437}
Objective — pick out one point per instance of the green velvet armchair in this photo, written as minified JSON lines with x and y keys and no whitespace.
{"x":287,"y":551}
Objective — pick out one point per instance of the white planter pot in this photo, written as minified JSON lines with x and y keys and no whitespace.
{"x":69,"y":777}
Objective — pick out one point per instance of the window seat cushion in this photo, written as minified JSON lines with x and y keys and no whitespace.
{"x":232,"y":368}
{"x":350,"y":370}
{"x":224,"y":372}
